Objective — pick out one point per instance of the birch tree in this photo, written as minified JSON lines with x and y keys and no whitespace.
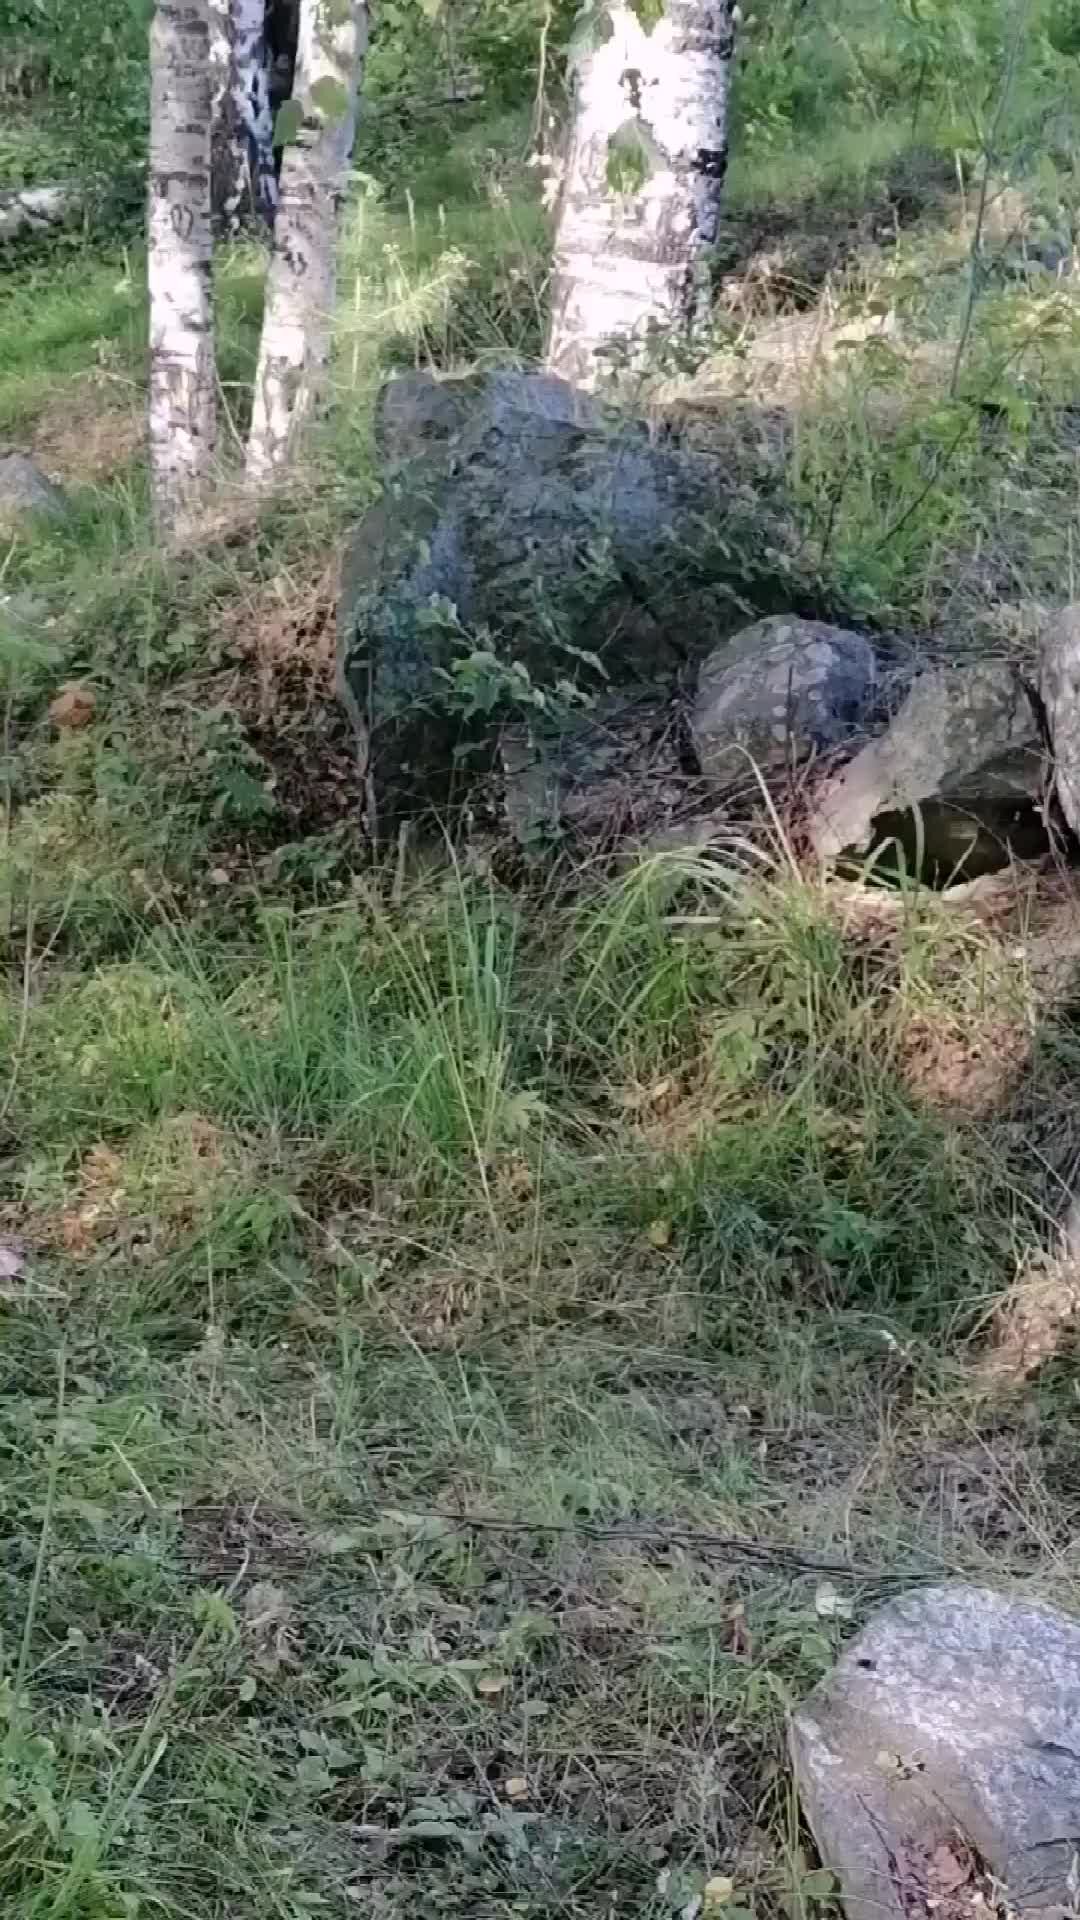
{"x":182,"y":410}
{"x":643,"y":176}
{"x":243,"y":176}
{"x":302,"y":279}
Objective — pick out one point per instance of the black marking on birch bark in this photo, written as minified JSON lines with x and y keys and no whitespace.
{"x":711,"y":162}
{"x":182,"y":220}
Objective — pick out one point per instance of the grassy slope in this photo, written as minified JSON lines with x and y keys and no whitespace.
{"x":358,"y":1218}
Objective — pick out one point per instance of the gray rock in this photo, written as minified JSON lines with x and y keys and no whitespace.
{"x":418,"y":414}
{"x":35,"y":210}
{"x":25,"y":489}
{"x":1059,"y":690}
{"x":967,"y":734}
{"x":777,"y":692}
{"x":956,"y":1712}
{"x":520,"y":522}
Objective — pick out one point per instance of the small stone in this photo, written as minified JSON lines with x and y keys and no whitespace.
{"x":949,"y":1722}
{"x":776,"y":693}
{"x":1059,"y":690}
{"x":966,"y":734}
{"x":73,"y":707}
{"x":517,"y":1787}
{"x":490,"y":1685}
{"x":24,"y":488}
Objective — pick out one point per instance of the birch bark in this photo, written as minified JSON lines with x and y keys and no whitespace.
{"x":183,"y":397}
{"x":640,"y":203}
{"x":302,"y":280}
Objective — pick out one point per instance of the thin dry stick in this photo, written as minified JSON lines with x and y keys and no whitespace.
{"x":689,"y":1537}
{"x":988,"y":155}
{"x":540,"y":104}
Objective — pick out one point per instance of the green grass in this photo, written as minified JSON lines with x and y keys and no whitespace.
{"x":417,"y":1273}
{"x":36,"y":147}
{"x":451,"y":1323}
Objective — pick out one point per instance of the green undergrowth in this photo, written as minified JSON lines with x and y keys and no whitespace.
{"x":472,"y":1363}
{"x":474,"y":1341}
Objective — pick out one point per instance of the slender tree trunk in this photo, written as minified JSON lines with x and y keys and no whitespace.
{"x":640,"y":201}
{"x":223,"y":161}
{"x":244,"y":180}
{"x":302,"y":279}
{"x":182,"y":414}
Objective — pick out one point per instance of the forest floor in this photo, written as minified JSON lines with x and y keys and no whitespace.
{"x":471,"y":1352}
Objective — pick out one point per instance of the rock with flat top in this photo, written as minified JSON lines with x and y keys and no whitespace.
{"x":25,"y":489}
{"x":944,"y":1743}
{"x":777,"y":692}
{"x":967,"y":735}
{"x":1059,"y":690}
{"x":522,"y":528}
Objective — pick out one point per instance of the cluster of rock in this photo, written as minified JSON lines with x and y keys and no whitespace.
{"x":558,"y":602}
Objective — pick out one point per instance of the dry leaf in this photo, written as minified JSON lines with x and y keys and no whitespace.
{"x":716,"y":1893}
{"x":11,"y":1261}
{"x":949,"y":1872}
{"x":517,"y":1787}
{"x":741,"y":1643}
{"x":266,"y":1607}
{"x":660,"y":1233}
{"x":894,"y":1763}
{"x":831,"y":1605}
{"x":491,"y":1684}
{"x":74,"y":706}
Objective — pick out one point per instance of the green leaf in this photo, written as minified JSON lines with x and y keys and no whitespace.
{"x":288,"y":122}
{"x":45,"y":1808}
{"x":213,"y":1612}
{"x":592,"y":28}
{"x":649,"y":13}
{"x":329,"y":98}
{"x":820,"y":1885}
{"x":313,"y":1774}
{"x":82,"y":1824}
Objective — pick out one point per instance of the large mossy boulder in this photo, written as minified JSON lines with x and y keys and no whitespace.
{"x":570,"y":555}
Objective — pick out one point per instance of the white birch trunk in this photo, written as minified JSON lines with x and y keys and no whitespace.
{"x":244,"y":181}
{"x":302,"y":280}
{"x":182,"y":413}
{"x":640,"y":200}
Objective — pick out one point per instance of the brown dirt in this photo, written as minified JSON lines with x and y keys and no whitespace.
{"x":281,"y":645}
{"x":243,"y":1541}
{"x":144,"y":1200}
{"x":89,"y":431}
{"x":969,"y":1067}
{"x":1038,"y":1315}
{"x":948,"y":1881}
